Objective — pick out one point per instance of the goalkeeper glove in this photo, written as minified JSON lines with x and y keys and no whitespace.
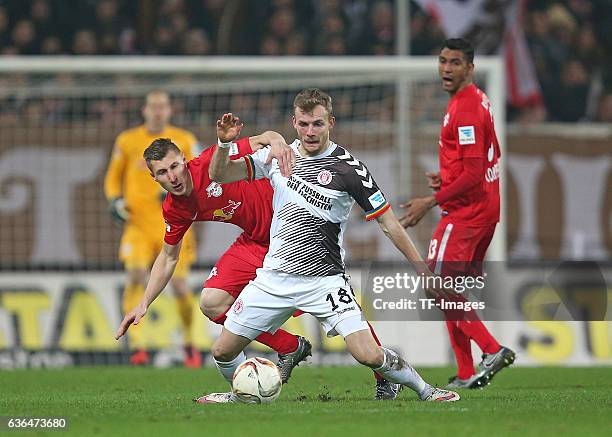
{"x":118,"y":210}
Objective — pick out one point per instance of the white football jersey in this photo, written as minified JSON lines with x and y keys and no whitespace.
{"x":311,"y":208}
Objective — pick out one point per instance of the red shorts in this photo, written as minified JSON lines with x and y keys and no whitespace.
{"x":237,"y":266}
{"x":458,"y":250}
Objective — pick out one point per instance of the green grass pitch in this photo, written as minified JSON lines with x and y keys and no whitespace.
{"x":335,"y":401}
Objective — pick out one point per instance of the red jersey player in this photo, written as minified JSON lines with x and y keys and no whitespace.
{"x":467,"y":190}
{"x":194,"y":197}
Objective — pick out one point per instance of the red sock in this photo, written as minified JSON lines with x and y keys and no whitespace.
{"x":477,"y":331}
{"x":469,"y":323}
{"x":376,"y":375}
{"x":281,"y":341}
{"x":463,"y":350}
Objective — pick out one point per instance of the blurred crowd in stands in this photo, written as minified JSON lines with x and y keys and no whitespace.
{"x":570,"y":40}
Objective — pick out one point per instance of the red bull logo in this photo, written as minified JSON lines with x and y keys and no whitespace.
{"x":227,"y":212}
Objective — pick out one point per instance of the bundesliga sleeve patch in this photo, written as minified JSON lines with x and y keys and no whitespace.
{"x":467,"y":135}
{"x":377,"y":199}
{"x":379,"y":205}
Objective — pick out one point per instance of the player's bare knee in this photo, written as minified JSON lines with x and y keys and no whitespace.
{"x":212,"y":305}
{"x":218,"y":353}
{"x":208,"y":307}
{"x":222,"y":353}
{"x":205,"y":307}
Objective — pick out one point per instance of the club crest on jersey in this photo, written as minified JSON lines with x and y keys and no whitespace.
{"x":467,"y":135}
{"x":233,"y":149}
{"x":238,"y":306}
{"x":324,"y":177}
{"x":490,"y":153}
{"x":214,"y":190}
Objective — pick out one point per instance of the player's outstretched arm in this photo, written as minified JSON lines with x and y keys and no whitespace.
{"x":221,"y":168}
{"x":392,"y":228}
{"x":161,"y":272}
{"x":113,"y":183}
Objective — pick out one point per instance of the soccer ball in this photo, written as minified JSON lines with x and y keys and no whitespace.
{"x":257,"y":381}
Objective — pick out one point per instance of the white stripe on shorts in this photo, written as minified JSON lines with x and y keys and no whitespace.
{"x":445,"y":237}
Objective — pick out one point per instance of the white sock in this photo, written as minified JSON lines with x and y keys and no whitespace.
{"x":396,"y":370}
{"x":227,"y":368}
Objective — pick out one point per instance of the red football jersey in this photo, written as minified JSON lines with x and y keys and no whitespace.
{"x":244,"y":204}
{"x":468,"y":131}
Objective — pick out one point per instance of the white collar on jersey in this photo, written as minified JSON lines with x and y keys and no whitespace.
{"x":328,"y":151}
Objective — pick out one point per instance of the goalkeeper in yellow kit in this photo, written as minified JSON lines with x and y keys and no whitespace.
{"x":135,"y":200}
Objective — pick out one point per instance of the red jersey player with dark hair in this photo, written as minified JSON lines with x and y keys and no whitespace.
{"x":467,"y":190}
{"x":192,"y":196}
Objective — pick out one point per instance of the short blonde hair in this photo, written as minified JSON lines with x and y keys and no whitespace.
{"x":310,"y":98}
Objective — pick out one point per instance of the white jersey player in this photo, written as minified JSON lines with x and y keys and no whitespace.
{"x":304,"y":267}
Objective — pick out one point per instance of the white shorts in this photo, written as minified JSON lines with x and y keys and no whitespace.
{"x":272,"y":297}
